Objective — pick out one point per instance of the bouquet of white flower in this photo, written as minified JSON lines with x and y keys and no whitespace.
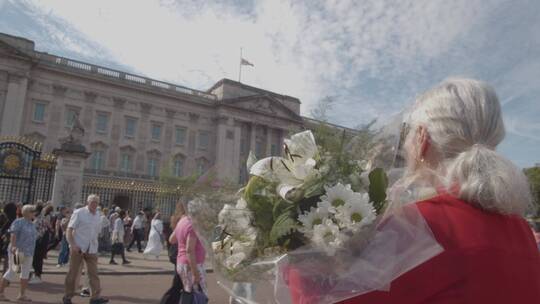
{"x":301,"y":221}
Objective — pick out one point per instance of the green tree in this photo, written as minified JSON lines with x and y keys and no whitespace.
{"x":533,"y":174}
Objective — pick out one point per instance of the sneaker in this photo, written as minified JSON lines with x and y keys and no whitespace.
{"x":23,"y":299}
{"x":126,"y":262}
{"x":85,"y":293}
{"x":99,"y":301}
{"x":66,"y":301}
{"x":113,"y":263}
{"x":128,"y":250}
{"x":59,"y":265}
{"x":35,"y":280}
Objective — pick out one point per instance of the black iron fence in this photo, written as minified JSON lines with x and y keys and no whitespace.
{"x":25,"y":174}
{"x":131,"y":194}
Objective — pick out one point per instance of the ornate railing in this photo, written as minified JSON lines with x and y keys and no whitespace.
{"x":119,"y":75}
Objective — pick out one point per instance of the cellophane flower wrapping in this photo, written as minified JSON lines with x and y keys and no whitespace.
{"x":314,"y":227}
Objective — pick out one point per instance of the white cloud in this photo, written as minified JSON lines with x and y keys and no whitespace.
{"x":306,"y":49}
{"x":373,"y":55}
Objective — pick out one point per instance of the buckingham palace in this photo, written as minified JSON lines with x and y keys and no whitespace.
{"x":135,"y":126}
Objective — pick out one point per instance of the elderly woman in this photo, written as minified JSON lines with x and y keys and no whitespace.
{"x":490,"y":255}
{"x":21,"y":251}
{"x":191,"y":253}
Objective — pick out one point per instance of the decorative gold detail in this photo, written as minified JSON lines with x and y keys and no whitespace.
{"x":25,"y":141}
{"x":12,"y":162}
{"x":130,"y":185}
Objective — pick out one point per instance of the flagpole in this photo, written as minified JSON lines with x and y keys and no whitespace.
{"x":240,"y":66}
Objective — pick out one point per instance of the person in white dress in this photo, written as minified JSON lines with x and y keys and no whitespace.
{"x":155,"y":240}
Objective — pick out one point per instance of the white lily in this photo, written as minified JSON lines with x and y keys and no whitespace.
{"x":293,"y":170}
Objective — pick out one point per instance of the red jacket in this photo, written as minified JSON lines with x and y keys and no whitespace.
{"x":488,"y":258}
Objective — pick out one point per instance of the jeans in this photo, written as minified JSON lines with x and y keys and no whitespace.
{"x":63,"y":256}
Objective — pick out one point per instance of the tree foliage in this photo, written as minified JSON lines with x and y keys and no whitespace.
{"x":533,"y":174}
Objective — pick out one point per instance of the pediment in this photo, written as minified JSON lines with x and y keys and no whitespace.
{"x":264,"y":104}
{"x":98,"y":145}
{"x":153,"y":153}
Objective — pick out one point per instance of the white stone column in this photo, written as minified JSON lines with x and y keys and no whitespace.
{"x":226,"y":150}
{"x":68,"y":179}
{"x":12,"y":117}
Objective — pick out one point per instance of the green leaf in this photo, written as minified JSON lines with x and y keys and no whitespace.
{"x":378,"y":182}
{"x":283,"y":225}
{"x":260,"y":204}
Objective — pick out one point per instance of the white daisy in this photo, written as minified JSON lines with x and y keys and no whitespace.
{"x":338,"y":195}
{"x":356,"y":213}
{"x":312,"y":218}
{"x":326,"y":236}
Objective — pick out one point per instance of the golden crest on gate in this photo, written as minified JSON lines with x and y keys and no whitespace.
{"x":12,"y":162}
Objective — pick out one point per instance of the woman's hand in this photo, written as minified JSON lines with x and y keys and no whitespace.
{"x":196,"y":277}
{"x":14,"y":250}
{"x":75,"y":248}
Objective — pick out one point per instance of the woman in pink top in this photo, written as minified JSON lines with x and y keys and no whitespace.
{"x":191,"y":253}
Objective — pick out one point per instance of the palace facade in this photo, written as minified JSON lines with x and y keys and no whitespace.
{"x":136,"y":126}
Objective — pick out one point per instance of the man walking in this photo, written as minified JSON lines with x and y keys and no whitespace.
{"x":137,"y":230}
{"x":82,"y":236}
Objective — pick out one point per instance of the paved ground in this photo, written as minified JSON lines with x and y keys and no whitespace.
{"x":142,"y":282}
{"x":139,"y":265}
{"x":120,"y":289}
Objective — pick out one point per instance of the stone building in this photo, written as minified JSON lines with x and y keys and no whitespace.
{"x":135,"y":126}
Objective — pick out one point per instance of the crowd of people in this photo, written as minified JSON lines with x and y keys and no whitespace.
{"x":28,"y":232}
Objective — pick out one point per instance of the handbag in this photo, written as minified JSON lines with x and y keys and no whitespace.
{"x":18,"y":260}
{"x":117,"y":248}
{"x":193,"y":297}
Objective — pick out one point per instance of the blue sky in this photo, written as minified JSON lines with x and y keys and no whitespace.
{"x":372,"y":56}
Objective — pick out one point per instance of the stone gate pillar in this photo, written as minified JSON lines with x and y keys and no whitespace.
{"x":68,"y":179}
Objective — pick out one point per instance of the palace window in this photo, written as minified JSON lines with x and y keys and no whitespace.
{"x":274,"y":150}
{"x":178,"y":166}
{"x":180,"y":137}
{"x":131,"y":126}
{"x":156,"y":131}
{"x":204,"y":140}
{"x":102,"y":122}
{"x":259,"y":149}
{"x":39,"y":112}
{"x":243,"y":146}
{"x":71,"y":114}
{"x":153,"y":165}
{"x":201,"y":166}
{"x":98,"y":160}
{"x":243,"y":175}
{"x":126,"y":163}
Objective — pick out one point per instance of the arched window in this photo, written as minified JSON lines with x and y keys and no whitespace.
{"x":202,"y":166}
{"x":127,"y":156}
{"x":98,"y":156}
{"x":98,"y":160}
{"x":153,"y":162}
{"x":152,"y":167}
{"x":178,"y":166}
